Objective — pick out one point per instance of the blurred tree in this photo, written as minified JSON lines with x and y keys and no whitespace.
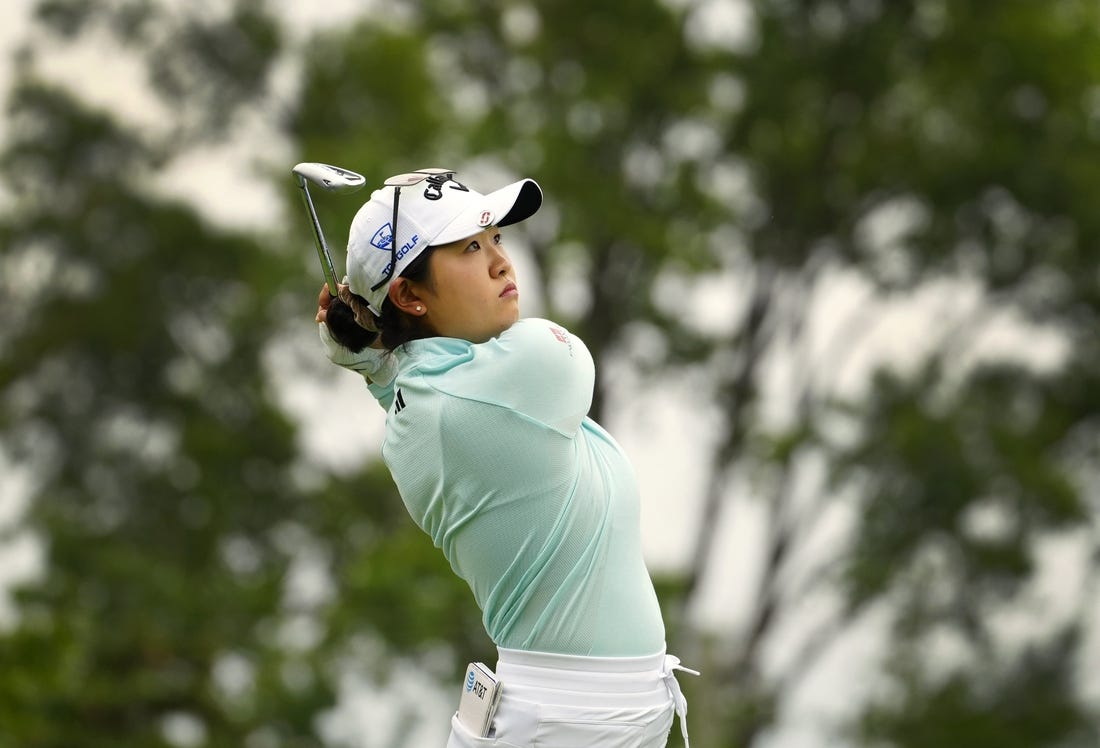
{"x":177,"y":516}
{"x":131,"y":386}
{"x":899,"y":144}
{"x":909,"y":143}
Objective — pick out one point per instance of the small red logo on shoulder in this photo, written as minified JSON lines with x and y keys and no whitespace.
{"x":563,"y":337}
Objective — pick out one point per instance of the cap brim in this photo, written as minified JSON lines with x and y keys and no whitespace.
{"x":508,"y":205}
{"x":524,"y":198}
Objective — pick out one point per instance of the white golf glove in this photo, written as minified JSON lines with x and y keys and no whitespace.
{"x":376,"y":365}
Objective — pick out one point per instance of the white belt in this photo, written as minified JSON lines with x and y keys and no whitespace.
{"x":572,"y":680}
{"x":668,"y":675}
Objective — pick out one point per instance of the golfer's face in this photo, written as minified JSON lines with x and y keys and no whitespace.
{"x":473,"y":294}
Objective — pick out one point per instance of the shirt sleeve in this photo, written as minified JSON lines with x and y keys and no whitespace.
{"x":536,"y":368}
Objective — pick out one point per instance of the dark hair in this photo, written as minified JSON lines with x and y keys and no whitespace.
{"x":395,"y":326}
{"x":347,"y":332}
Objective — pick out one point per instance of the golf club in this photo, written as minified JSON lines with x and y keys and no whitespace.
{"x":341,"y":319}
{"x":331,"y":179}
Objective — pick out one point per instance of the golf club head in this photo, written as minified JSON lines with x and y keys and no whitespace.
{"x":340,"y":319}
{"x":329,"y":178}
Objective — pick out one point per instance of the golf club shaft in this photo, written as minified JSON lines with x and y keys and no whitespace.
{"x":322,"y":248}
{"x":340,"y":319}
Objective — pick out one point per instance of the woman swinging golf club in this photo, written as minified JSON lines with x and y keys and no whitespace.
{"x":489,"y":443}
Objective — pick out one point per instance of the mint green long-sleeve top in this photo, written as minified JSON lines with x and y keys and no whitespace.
{"x":531,"y":501}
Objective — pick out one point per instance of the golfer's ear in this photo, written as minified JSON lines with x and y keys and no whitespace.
{"x":404,"y":297}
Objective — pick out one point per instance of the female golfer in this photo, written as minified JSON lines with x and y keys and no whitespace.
{"x":489,"y":443}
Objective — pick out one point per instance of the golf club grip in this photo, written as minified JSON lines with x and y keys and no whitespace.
{"x":347,"y":332}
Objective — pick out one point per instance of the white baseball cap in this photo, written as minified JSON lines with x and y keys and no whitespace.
{"x":433,"y":208}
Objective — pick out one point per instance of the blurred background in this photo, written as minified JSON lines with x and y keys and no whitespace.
{"x":837,"y":261}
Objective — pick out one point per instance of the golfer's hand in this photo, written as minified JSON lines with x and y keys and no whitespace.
{"x":373,"y":362}
{"x":323,"y":301}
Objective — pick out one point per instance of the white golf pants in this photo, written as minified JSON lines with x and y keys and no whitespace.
{"x":566,"y":701}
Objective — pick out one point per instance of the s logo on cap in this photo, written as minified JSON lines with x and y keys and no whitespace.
{"x":485,"y":219}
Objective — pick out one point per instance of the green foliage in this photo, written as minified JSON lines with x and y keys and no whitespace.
{"x":169,"y":489}
{"x":586,"y":97}
{"x":1020,"y":706}
{"x":996,"y":450}
{"x":156,"y":447}
{"x":206,"y":67}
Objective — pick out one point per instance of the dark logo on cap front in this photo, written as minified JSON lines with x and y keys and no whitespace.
{"x":434,"y":190}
